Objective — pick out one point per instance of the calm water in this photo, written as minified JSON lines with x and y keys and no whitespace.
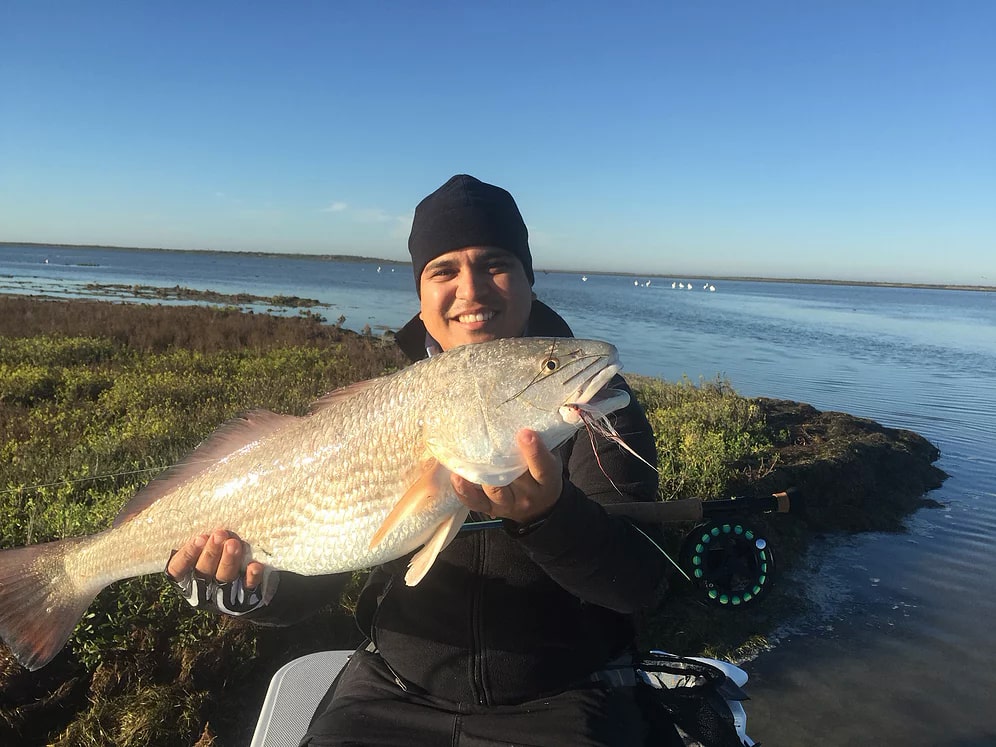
{"x":901,"y":650}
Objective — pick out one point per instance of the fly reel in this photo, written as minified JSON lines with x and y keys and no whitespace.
{"x":729,"y":561}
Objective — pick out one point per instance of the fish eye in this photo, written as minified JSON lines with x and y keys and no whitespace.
{"x":551,"y":364}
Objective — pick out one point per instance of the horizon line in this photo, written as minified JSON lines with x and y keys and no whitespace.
{"x":362,"y":258}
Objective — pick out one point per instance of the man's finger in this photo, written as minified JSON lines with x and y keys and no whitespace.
{"x":541,"y":462}
{"x":230,"y":565}
{"x":500,"y":496}
{"x":254,"y":574}
{"x":471,"y":495}
{"x":207,"y":563}
{"x":185,"y":558}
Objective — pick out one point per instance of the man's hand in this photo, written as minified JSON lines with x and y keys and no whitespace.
{"x":529,"y":497}
{"x":216,"y":556}
{"x":207,"y":570}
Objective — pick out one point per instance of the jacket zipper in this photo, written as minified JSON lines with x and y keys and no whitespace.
{"x":477,"y":652}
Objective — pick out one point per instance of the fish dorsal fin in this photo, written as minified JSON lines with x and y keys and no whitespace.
{"x":443,"y":535}
{"x":432,"y":483}
{"x":236,"y":434}
{"x":342,"y":394}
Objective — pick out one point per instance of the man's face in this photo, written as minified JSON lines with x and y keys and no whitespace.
{"x":474,"y":294}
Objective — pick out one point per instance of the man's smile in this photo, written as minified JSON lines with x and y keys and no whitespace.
{"x":480,"y":316}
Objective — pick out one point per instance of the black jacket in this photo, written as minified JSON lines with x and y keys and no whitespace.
{"x":502,"y":618}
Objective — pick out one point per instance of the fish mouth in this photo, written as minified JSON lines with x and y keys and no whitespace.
{"x":596,"y":398}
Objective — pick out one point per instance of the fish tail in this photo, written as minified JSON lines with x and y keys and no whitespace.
{"x":40,"y":603}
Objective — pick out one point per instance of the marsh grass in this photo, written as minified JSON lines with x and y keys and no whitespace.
{"x":96,"y":398}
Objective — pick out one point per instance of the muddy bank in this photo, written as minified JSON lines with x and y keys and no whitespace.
{"x":853,"y":473}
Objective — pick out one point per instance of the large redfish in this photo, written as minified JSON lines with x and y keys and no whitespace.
{"x":363,"y":479}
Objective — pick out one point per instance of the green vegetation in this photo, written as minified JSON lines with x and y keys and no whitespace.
{"x":96,"y":398}
{"x":703,"y":432}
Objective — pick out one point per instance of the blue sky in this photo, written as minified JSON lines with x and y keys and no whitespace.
{"x":850,"y":140}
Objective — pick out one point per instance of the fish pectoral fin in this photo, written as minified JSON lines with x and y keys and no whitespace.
{"x":431,"y":484}
{"x":424,"y":558}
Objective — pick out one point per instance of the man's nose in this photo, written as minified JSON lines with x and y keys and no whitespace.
{"x":473,"y":284}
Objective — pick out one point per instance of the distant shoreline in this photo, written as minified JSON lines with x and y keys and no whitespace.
{"x":288,"y":255}
{"x":380,"y":260}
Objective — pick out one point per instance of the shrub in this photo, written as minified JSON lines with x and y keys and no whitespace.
{"x":703,"y":434}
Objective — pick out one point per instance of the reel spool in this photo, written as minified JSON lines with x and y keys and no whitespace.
{"x":729,"y":561}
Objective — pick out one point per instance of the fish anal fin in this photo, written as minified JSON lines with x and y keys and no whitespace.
{"x":424,"y":558}
{"x":238,"y":433}
{"x":431,"y":483}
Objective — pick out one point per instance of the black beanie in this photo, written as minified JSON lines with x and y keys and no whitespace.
{"x":467,"y":212}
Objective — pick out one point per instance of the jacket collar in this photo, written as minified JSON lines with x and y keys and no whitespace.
{"x":543,"y":322}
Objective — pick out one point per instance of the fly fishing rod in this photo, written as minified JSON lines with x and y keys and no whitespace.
{"x":696,"y":509}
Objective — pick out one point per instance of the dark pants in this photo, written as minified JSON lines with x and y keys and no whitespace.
{"x":369,"y":708}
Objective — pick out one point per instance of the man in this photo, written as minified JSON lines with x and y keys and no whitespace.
{"x":507,"y":638}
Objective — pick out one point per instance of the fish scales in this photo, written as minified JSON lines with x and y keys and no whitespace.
{"x":363,"y":479}
{"x":307,"y":510}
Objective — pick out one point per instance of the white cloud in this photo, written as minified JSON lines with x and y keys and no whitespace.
{"x":400,"y":223}
{"x":372,"y":215}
